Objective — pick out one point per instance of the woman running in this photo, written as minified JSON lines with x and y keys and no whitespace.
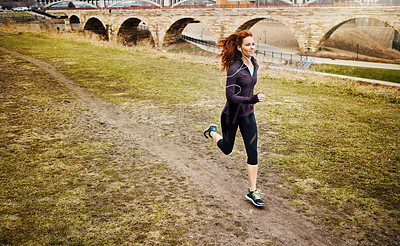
{"x":237,"y":58}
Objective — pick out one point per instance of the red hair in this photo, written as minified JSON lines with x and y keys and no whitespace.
{"x":230,"y":53}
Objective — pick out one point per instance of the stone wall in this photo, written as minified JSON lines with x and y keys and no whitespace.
{"x":311,"y":26}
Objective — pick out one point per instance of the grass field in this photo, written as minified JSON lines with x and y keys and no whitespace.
{"x":360,"y":72}
{"x":15,"y":14}
{"x":334,"y":144}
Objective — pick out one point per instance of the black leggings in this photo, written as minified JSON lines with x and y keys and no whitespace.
{"x":248,"y":128}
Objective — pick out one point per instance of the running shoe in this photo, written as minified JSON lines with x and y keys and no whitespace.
{"x":255,"y":198}
{"x":211,"y":128}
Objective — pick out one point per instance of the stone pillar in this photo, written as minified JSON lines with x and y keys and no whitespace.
{"x":112,"y":32}
{"x":67,"y":25}
{"x":156,"y":34}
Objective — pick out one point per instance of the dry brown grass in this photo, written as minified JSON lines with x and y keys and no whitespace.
{"x":69,"y":178}
{"x":336,"y":132}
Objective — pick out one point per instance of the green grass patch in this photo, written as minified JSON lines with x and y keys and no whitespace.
{"x":15,"y":14}
{"x":334,"y":143}
{"x":389,"y":75}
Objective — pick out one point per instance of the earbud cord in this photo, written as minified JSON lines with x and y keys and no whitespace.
{"x":240,"y":68}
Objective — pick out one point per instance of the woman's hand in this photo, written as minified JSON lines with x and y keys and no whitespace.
{"x":261,"y":97}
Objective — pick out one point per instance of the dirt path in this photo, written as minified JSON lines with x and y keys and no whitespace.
{"x":278,"y":223}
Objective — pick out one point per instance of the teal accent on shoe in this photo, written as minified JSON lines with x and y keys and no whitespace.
{"x":211,"y":128}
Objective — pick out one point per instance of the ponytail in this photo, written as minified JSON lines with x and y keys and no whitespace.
{"x":230,"y":53}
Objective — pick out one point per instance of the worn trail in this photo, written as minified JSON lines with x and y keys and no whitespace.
{"x":277,"y":223}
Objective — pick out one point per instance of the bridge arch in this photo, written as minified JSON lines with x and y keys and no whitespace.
{"x":73,"y":19}
{"x":94,"y":25}
{"x":130,"y":33}
{"x":331,"y":29}
{"x":74,"y":22}
{"x":248,"y":24}
{"x":173,"y":33}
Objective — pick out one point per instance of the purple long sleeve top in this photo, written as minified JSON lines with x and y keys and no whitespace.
{"x":240,"y":89}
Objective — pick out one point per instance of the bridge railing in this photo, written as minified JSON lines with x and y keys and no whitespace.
{"x":107,"y":8}
{"x":234,"y":6}
{"x":198,"y":41}
{"x":280,"y":5}
{"x":282,"y":56}
{"x":254,"y":5}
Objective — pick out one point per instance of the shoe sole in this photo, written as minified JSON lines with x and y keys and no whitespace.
{"x":255,"y":204}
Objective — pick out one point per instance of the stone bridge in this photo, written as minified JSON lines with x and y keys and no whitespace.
{"x":311,"y":26}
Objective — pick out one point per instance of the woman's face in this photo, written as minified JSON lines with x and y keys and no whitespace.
{"x":248,"y":46}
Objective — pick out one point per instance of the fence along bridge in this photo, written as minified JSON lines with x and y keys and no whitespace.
{"x":112,"y":3}
{"x":311,"y":26}
{"x":173,"y":3}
